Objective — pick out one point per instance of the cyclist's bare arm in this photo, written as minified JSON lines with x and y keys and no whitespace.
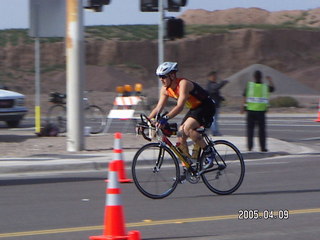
{"x":185,"y":87}
{"x":161,"y":103}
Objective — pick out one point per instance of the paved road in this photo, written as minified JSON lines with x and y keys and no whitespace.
{"x":301,"y":131}
{"x":297,"y":128}
{"x":70,"y":206}
{"x":279,"y":125}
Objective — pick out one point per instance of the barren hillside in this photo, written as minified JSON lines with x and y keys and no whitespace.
{"x":310,"y":18}
{"x":110,"y":62}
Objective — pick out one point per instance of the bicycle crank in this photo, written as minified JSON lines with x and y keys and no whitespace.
{"x":192,"y":177}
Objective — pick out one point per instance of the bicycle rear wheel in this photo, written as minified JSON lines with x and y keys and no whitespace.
{"x":228,"y":170}
{"x":57,"y":115}
{"x":155,"y":171}
{"x":95,"y":119}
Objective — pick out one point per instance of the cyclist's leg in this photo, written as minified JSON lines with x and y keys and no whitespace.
{"x":200,"y":117}
{"x":190,"y":126}
{"x":189,"y":130}
{"x":182,"y":139}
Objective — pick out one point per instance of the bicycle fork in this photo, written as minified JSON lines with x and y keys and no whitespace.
{"x":159,"y":161}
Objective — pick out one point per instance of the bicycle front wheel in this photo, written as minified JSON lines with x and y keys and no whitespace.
{"x":57,"y":115}
{"x":155,"y":171}
{"x":95,"y":119}
{"x":228,"y":170}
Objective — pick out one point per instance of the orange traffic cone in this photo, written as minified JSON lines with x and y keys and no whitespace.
{"x":318,"y":120}
{"x":114,"y":226}
{"x":118,"y":157}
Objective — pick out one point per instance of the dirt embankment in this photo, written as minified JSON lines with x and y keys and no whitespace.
{"x":304,"y":18}
{"x":110,"y":63}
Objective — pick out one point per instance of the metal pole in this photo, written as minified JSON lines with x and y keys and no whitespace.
{"x":75,"y":75}
{"x":37,"y":82}
{"x":161,"y":37}
{"x":37,"y":108}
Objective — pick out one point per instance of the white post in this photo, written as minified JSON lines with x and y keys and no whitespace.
{"x":75,"y":75}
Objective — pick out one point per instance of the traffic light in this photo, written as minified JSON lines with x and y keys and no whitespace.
{"x":96,"y":5}
{"x":170,"y":5}
{"x":174,"y":28}
{"x":149,"y":5}
{"x":174,"y":5}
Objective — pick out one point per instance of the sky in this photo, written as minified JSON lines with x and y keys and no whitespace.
{"x":15,"y":13}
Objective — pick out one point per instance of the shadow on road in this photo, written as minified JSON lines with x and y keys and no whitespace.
{"x":14,"y":182}
{"x":14,"y":138}
{"x":279,"y":192}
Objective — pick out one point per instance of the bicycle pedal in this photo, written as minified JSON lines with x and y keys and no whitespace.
{"x":182,"y":178}
{"x":182,"y":181}
{"x":209,"y":164}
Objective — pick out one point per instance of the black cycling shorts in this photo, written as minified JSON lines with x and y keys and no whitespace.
{"x":203,"y":114}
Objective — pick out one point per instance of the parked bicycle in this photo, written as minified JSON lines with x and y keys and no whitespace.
{"x":156,"y":170}
{"x":94,"y":116}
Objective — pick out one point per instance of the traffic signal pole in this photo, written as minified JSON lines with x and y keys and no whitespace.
{"x":161,"y":36}
{"x":75,"y":75}
{"x":160,"y":6}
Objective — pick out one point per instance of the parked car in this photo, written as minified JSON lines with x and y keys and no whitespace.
{"x":12,"y":109}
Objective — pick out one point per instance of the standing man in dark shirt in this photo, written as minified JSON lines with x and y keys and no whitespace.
{"x":213,"y":88}
{"x":256,"y":102}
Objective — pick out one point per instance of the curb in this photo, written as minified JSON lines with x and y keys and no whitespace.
{"x":99,"y":161}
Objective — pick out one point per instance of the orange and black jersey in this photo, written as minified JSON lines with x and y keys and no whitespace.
{"x":197,"y":96}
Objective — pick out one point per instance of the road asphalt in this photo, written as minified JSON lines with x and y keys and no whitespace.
{"x":22,"y":152}
{"x":130,"y":143}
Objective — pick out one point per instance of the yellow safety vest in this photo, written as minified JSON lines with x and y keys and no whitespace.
{"x":257,"y":96}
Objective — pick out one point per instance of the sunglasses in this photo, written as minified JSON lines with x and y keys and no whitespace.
{"x":163,"y":76}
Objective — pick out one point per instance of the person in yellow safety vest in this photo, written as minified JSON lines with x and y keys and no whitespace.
{"x":256,"y":102}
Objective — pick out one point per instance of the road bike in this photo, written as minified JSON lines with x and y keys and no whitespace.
{"x":94,"y":116}
{"x":156,"y":169}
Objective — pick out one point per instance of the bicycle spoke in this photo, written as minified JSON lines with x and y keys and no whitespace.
{"x":155,"y":170}
{"x":57,"y":115}
{"x":95,"y":119}
{"x":227,"y":174}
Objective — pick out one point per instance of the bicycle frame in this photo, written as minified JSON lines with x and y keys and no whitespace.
{"x":164,"y":180}
{"x":163,"y":139}
{"x":176,"y":151}
{"x":63,"y":97}
{"x":185,"y":161}
{"x":97,"y":123}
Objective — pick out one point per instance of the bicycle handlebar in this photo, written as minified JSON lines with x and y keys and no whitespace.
{"x":168,"y":130}
{"x":141,"y":127}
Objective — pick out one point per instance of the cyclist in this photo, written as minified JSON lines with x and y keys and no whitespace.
{"x":189,"y":94}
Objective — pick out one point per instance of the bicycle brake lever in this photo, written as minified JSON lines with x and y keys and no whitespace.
{"x":165,"y":113}
{"x":145,"y":137}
